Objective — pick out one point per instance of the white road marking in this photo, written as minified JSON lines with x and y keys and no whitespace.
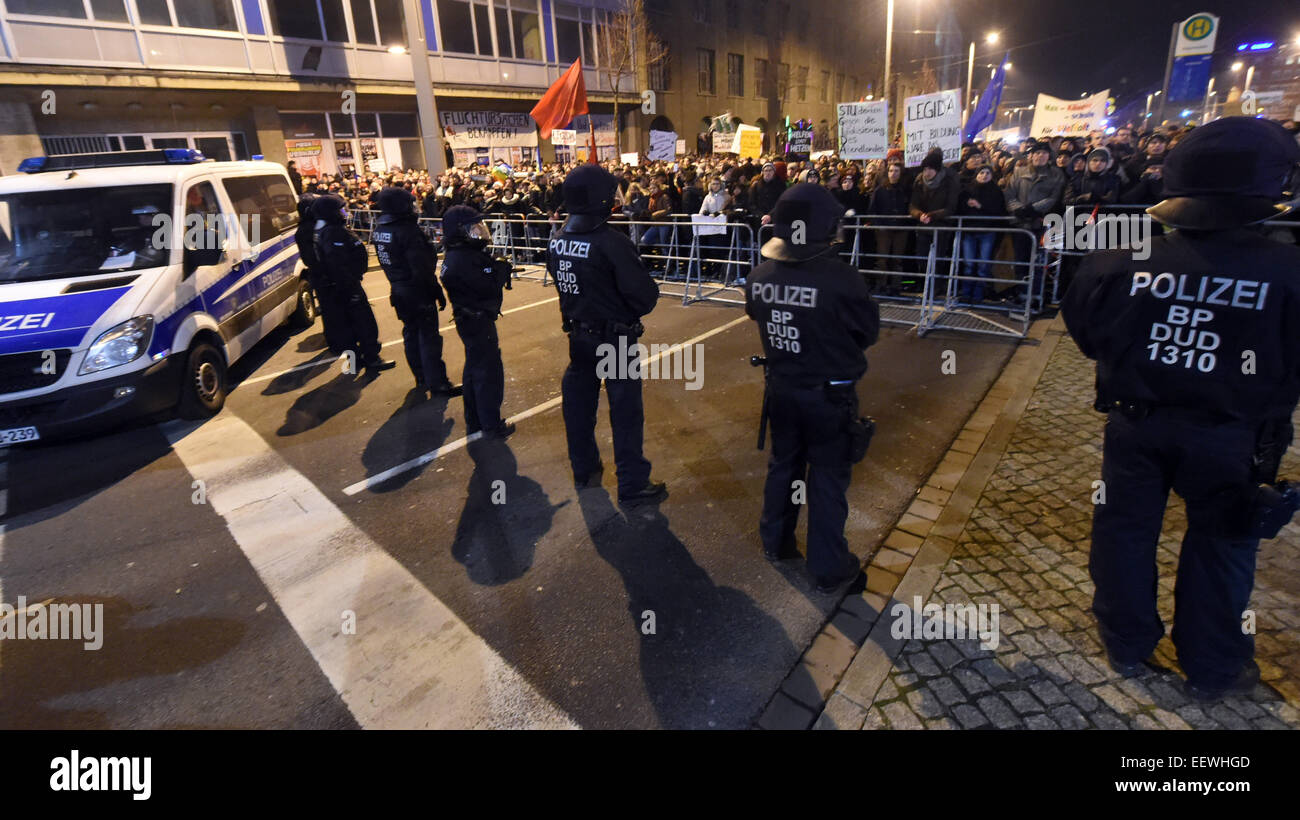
{"x":269,"y":376}
{"x":412,"y":663}
{"x":420,"y":461}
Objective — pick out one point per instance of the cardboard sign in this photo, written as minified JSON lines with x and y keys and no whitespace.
{"x":560,"y":136}
{"x":632,"y":158}
{"x":706,"y":225}
{"x":800,"y":143}
{"x":929,"y":121}
{"x":722,"y":142}
{"x":749,"y":142}
{"x":663,"y":146}
{"x":1054,"y":117}
{"x":681,"y":147}
{"x":864,"y":129}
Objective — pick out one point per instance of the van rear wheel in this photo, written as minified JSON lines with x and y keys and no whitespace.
{"x":203,"y":391}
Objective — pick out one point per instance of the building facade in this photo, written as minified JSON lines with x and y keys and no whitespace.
{"x":329,"y":83}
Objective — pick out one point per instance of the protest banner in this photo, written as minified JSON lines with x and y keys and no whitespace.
{"x":1054,"y":117}
{"x":663,"y":146}
{"x":864,"y":129}
{"x":929,"y":121}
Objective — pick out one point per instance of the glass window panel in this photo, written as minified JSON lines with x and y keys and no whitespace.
{"x":367,"y":125}
{"x":294,"y":18}
{"x":568,"y":41}
{"x":112,"y":11}
{"x":392,"y":22}
{"x":336,"y":27}
{"x":503,"y":30}
{"x":455,"y":27}
{"x":215,"y":14}
{"x":398,"y":126}
{"x":48,"y":8}
{"x":303,"y":124}
{"x":484,"y":30}
{"x":528,"y":35}
{"x":342,"y":125}
{"x":154,"y":12}
{"x":363,"y":23}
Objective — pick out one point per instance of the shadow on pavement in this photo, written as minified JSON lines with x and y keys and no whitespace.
{"x":418,"y":426}
{"x":505,"y":515}
{"x":702,"y":645}
{"x":295,"y":379}
{"x":313,"y":409}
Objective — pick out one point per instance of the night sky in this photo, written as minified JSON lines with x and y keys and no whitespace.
{"x":1066,"y":49}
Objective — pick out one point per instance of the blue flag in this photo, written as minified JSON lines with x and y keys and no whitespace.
{"x":987,"y":110}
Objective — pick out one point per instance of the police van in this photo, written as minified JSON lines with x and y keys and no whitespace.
{"x":131,"y":281}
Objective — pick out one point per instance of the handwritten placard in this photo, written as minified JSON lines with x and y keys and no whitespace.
{"x":864,"y":129}
{"x":930,"y":121}
{"x":1055,"y":117}
{"x":663,"y":145}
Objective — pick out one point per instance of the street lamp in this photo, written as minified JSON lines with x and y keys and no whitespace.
{"x":991,"y":38}
{"x":1237,"y":66}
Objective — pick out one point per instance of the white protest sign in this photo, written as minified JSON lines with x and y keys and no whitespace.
{"x":705,"y":225}
{"x":630,"y":159}
{"x":864,"y":129}
{"x":681,"y":146}
{"x":932,"y":120}
{"x":1054,"y":117}
{"x":722,"y":142}
{"x":560,"y":136}
{"x":663,"y":145}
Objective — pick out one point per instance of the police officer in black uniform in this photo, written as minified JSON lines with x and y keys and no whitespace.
{"x":604,"y":291}
{"x":474,"y":281}
{"x":815,"y":318}
{"x":410,"y":263}
{"x":1198,"y":367}
{"x":341,"y":261}
{"x":305,"y":238}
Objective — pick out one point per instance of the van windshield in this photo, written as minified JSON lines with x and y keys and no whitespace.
{"x":83,"y":231}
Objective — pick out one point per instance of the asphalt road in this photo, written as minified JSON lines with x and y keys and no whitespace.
{"x":314,"y":586}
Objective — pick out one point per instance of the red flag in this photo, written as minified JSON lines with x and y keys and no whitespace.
{"x":562,"y":101}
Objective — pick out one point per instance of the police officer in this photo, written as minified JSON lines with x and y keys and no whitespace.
{"x":410,"y":263}
{"x":1198,"y":367}
{"x":604,"y":291}
{"x":305,"y":238}
{"x":342,"y":261}
{"x":474,"y":281}
{"x":815,"y":318}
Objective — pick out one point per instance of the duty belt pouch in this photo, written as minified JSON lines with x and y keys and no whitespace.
{"x":859,"y":429}
{"x":1271,"y":507}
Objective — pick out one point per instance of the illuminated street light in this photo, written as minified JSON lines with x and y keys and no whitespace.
{"x":1237,"y":66}
{"x":397,"y":49}
{"x":992,"y":38}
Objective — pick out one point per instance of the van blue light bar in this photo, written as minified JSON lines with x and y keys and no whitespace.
{"x":112,"y":159}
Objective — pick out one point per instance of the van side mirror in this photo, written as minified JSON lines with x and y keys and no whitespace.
{"x":196,"y":258}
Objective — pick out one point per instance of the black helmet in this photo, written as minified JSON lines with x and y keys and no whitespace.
{"x":329,"y":208}
{"x":395,"y":200}
{"x":304,"y":205}
{"x":1229,"y":173}
{"x":589,"y":190}
{"x":455,"y":226}
{"x":815,"y":209}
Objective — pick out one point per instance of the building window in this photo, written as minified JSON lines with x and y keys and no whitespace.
{"x":363,"y":22}
{"x":292,"y":18}
{"x":704,"y":63}
{"x":736,"y":75}
{"x":456,"y":27}
{"x":526,"y":30}
{"x":825,"y":93}
{"x":760,"y":77}
{"x":213,"y":14}
{"x":839,"y":88}
{"x":801,"y":82}
{"x":733,"y":13}
{"x":568,"y":32}
{"x":48,"y":8}
{"x":704,"y":11}
{"x":783,"y":81}
{"x":659,"y":75}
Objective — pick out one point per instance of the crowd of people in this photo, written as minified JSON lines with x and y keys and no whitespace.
{"x":1018,"y":183}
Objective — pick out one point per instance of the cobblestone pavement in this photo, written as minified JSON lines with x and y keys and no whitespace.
{"x":1025,"y":548}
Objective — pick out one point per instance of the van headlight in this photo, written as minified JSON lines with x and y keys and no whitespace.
{"x":118,"y":345}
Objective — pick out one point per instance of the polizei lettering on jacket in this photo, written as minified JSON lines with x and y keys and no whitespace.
{"x":26,"y":321}
{"x":786,"y":295}
{"x":570,"y":247}
{"x":1185,"y":339}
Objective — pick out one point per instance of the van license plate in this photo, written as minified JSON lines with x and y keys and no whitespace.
{"x":16,"y":434}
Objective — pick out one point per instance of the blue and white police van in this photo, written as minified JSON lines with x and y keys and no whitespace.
{"x":131,"y":281}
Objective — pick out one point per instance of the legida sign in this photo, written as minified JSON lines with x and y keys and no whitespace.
{"x":929,"y":121}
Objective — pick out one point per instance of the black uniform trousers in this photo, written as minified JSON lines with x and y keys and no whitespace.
{"x":349,"y":321}
{"x":420,"y":338}
{"x":484,"y":378}
{"x":1208,"y":465}
{"x":810,"y":443}
{"x":580,"y":389}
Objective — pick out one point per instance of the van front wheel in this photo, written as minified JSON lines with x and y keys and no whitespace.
{"x":203,"y":392}
{"x":304,"y":313}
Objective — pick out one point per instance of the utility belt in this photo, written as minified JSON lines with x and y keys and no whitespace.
{"x":1263,"y":505}
{"x":466,"y":313}
{"x":604,"y":330}
{"x":839,"y":392}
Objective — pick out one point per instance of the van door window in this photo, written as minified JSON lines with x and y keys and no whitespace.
{"x":263,"y":203}
{"x":204,"y":225}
